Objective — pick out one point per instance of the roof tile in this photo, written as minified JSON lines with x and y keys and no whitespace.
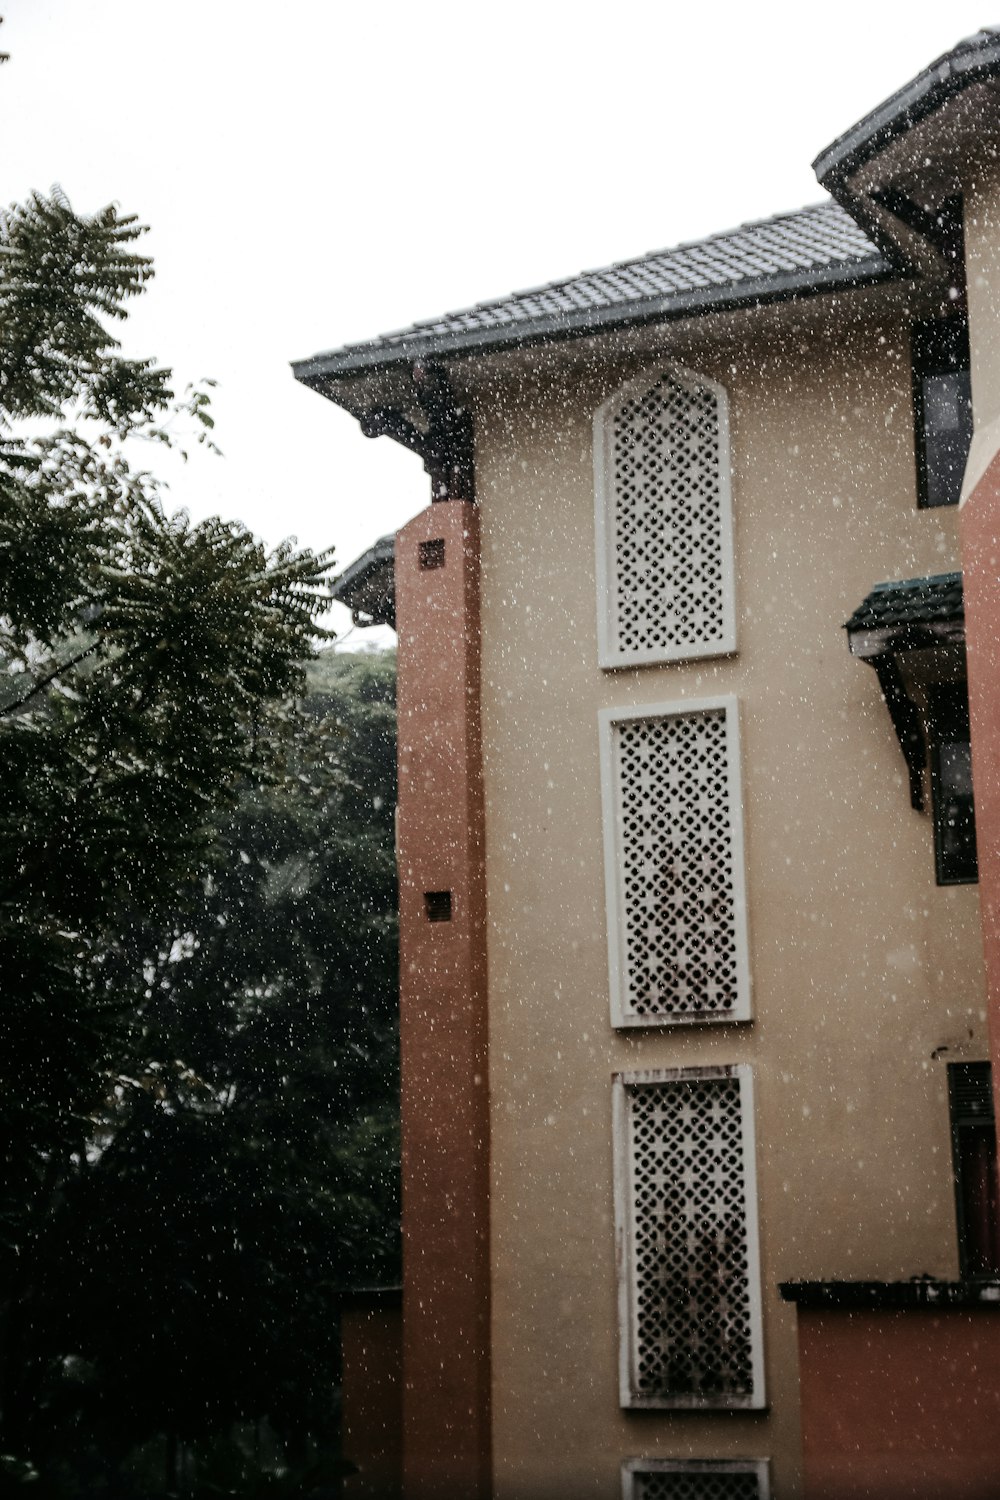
{"x":783,"y":253}
{"x":911,"y":601}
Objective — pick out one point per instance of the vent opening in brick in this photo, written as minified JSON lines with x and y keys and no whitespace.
{"x":437,"y":905}
{"x":432,"y":553}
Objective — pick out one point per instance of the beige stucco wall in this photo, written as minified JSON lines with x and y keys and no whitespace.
{"x":863,"y":969}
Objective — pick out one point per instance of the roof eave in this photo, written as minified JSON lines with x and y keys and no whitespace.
{"x":369,"y":358}
{"x":948,"y":76}
{"x":367,"y":585}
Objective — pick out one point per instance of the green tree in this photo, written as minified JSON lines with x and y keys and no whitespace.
{"x":152,"y":668}
{"x":260,"y":1134}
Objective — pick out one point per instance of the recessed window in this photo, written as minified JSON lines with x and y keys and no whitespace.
{"x":431,"y":554}
{"x":951,"y":785}
{"x":974,"y":1158}
{"x":437,"y":905}
{"x":942,"y":408}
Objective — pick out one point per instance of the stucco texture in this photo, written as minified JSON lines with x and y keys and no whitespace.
{"x":866,"y":975}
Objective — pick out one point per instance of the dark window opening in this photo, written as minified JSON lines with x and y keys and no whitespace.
{"x":942,"y":408}
{"x":432,"y":553}
{"x":437,"y":905}
{"x":951,"y":785}
{"x":974,"y":1159}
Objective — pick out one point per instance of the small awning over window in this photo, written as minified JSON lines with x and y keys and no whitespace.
{"x":368,"y":586}
{"x":914,"y":614}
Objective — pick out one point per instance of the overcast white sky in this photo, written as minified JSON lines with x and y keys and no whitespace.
{"x":317,"y":172}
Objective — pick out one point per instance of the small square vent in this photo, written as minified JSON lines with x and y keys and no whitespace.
{"x":432,"y":553}
{"x":437,"y":905}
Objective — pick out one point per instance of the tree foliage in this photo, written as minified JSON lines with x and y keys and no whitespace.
{"x":196,"y":916}
{"x":257,"y":1129}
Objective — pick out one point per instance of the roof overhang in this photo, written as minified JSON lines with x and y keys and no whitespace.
{"x":891,"y":171}
{"x":368,"y":585}
{"x":326,"y":372}
{"x":972,"y":61}
{"x":897,"y":166}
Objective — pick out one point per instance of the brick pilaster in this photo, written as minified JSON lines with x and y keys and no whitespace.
{"x":443,"y":1039}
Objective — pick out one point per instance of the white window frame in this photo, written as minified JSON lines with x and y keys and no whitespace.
{"x":630,"y":1397}
{"x":614,"y":887}
{"x":634,"y":1468}
{"x":609,"y":654}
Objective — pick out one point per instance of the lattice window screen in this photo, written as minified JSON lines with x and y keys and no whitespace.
{"x":687,"y":1213}
{"x":695,"y":1479}
{"x":677,"y":938}
{"x":665,"y":546}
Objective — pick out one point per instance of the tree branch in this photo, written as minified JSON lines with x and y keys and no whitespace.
{"x":44,"y":682}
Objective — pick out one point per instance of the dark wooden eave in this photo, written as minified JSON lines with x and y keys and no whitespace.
{"x":443,"y":438}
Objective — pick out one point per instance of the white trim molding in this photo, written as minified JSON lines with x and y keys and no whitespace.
{"x":675,"y":883}
{"x":683,"y":1343}
{"x":696,"y":1478}
{"x":664,"y":521}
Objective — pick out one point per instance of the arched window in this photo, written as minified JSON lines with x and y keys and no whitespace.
{"x":664,"y":521}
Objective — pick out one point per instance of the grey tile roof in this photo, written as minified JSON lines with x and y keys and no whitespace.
{"x":810,"y":250}
{"x":912,"y":601}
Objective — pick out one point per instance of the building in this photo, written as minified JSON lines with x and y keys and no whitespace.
{"x":699,"y":1161}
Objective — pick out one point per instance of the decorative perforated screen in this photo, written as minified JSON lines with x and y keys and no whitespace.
{"x":687,"y":1213}
{"x":703,"y":1486}
{"x":664,"y":521}
{"x":677,"y":937}
{"x":696,"y":1480}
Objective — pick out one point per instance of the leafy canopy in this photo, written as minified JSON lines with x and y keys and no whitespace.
{"x":150,"y":672}
{"x":190,"y":1276}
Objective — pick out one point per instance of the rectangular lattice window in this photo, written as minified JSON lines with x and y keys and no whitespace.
{"x":664,"y":521}
{"x":686,"y":1210}
{"x":696,"y":1479}
{"x":673,"y":835}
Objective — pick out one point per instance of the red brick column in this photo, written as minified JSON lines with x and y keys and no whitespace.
{"x":445,"y":1116}
{"x":979,"y":525}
